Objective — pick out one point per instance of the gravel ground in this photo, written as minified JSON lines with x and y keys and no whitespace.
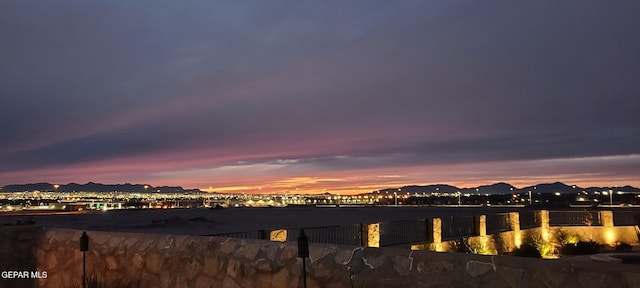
{"x":214,"y":221}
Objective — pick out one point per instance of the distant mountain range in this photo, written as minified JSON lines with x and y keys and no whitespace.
{"x":497,"y":188}
{"x":95,"y":187}
{"x":506,"y":188}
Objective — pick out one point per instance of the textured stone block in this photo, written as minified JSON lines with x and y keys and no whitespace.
{"x":511,"y":276}
{"x":320,"y":270}
{"x":372,"y":261}
{"x":317,"y":253}
{"x":205,"y":282}
{"x":192,"y":269}
{"x":228,"y":282}
{"x":280,"y":278}
{"x":289,"y":252}
{"x":137,"y":261}
{"x":228,"y":246}
{"x":592,"y":280}
{"x":249,"y":250}
{"x":212,"y":266}
{"x":476,"y":268}
{"x":428,"y":270}
{"x":112,"y":264}
{"x":154,"y":263}
{"x":402,"y":265}
{"x":342,"y":256}
{"x":234,"y":268}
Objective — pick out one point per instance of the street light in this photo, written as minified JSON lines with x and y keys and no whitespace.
{"x":610,"y":198}
{"x":395,"y":197}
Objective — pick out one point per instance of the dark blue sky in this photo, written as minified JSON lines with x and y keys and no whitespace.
{"x":338,"y":95}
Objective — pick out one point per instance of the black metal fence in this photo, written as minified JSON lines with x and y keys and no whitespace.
{"x":528,"y":219}
{"x":403,"y":232}
{"x":343,"y":235}
{"x":454,"y":227}
{"x":626,"y":218}
{"x":574,"y":218}
{"x":497,"y":223}
{"x":259,"y":234}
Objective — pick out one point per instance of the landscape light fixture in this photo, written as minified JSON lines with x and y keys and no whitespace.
{"x":84,"y":247}
{"x":303,"y":252}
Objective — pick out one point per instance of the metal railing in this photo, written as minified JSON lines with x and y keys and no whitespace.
{"x":343,"y":235}
{"x":457,"y":227}
{"x":259,"y":234}
{"x":452,"y":227}
{"x":403,"y":232}
{"x":497,"y":223}
{"x":574,"y":218}
{"x":626,"y":218}
{"x":528,"y":219}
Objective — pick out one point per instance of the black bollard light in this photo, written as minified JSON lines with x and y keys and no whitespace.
{"x":303,"y":252}
{"x":84,"y":247}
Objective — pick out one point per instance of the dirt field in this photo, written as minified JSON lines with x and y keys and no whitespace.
{"x":215,"y":221}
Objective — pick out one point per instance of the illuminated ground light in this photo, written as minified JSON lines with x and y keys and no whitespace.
{"x":517,"y":239}
{"x":610,"y":236}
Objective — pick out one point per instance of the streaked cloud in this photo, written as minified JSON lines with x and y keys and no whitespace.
{"x":225,"y":94}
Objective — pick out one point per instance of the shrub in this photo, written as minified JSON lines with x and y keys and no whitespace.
{"x":459,"y":246}
{"x":466,"y":246}
{"x":544,"y":247}
{"x":580,"y":248}
{"x":527,"y":250}
{"x":564,"y":238}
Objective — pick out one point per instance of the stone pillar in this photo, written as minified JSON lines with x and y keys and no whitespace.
{"x":514,"y":225}
{"x":373,"y":235}
{"x":435,"y":227}
{"x":542,"y":217}
{"x":481,"y":225}
{"x":435,"y":231}
{"x":514,"y":221}
{"x":606,"y":218}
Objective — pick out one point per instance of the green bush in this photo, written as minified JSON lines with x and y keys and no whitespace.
{"x":565,"y":238}
{"x":545,"y":248}
{"x":470,"y":247}
{"x":527,"y":250}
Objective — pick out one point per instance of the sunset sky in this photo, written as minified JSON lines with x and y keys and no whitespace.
{"x":347,"y":96}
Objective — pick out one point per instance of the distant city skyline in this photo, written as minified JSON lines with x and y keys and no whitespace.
{"x":347,"y":97}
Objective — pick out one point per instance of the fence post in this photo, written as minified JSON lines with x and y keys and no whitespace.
{"x":373,"y":235}
{"x":542,"y":217}
{"x":481,"y":225}
{"x":514,"y":221}
{"x":279,"y":235}
{"x":514,"y":225}
{"x":606,"y":218}
{"x":435,"y":227}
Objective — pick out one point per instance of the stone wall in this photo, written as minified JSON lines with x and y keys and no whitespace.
{"x":196,"y":261}
{"x":17,"y":253}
